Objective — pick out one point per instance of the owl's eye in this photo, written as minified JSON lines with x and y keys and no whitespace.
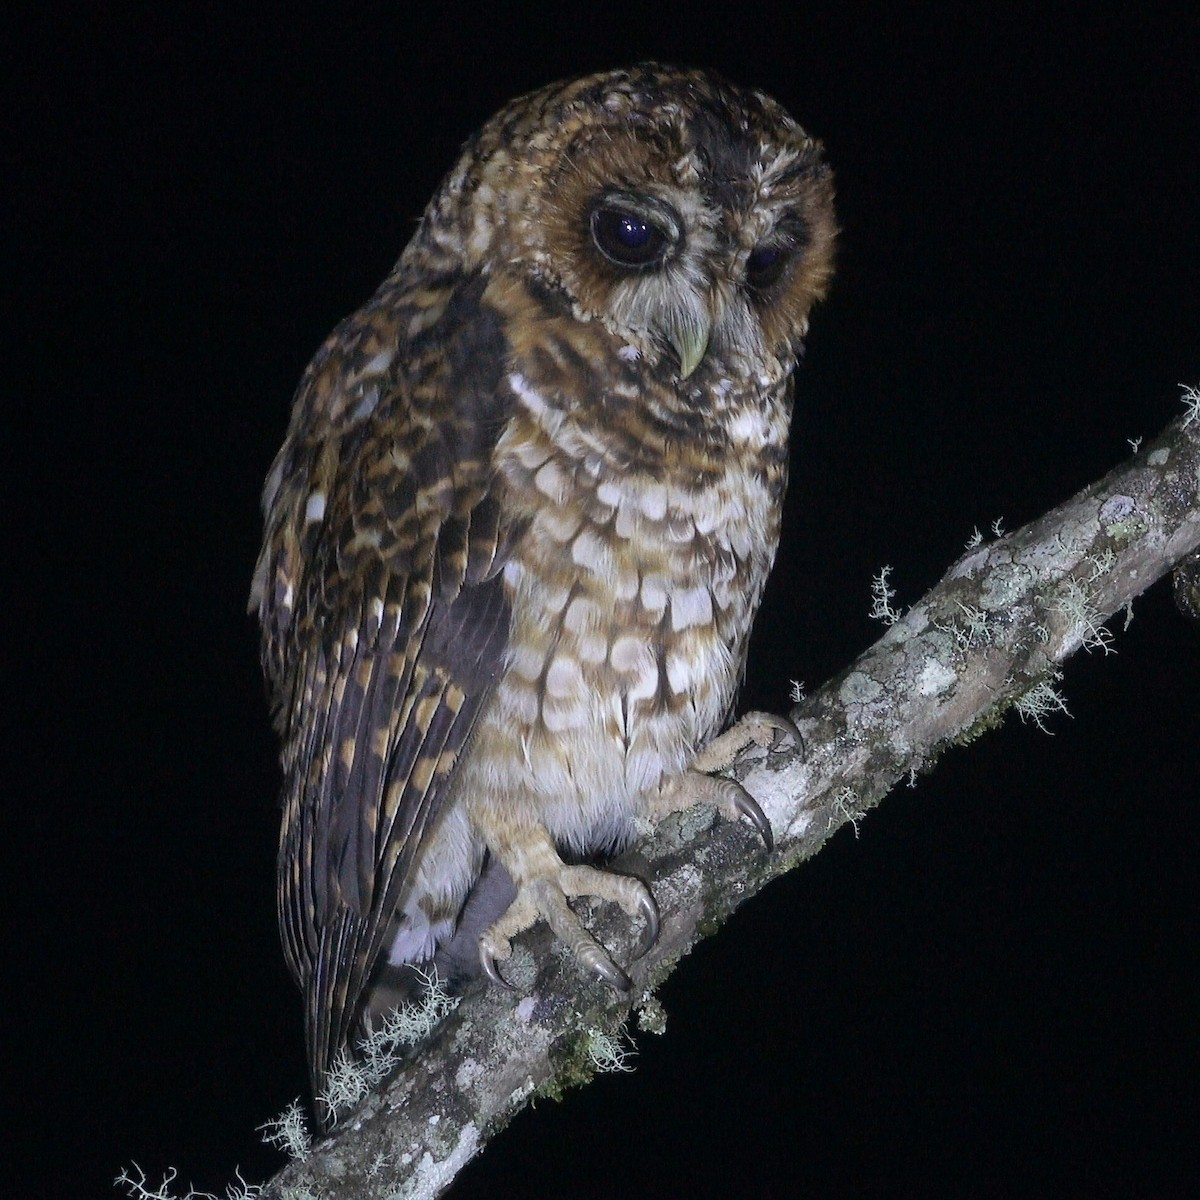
{"x":626,"y":238}
{"x":765,"y":265}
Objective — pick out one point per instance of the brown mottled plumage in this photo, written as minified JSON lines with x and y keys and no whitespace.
{"x":521,"y":522}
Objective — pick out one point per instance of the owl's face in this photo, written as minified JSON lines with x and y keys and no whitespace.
{"x":693,"y":220}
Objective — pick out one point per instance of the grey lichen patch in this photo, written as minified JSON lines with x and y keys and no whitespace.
{"x":441,"y":1138}
{"x":695,"y":822}
{"x":1115,"y":509}
{"x":934,"y":678}
{"x":1121,"y":520}
{"x":1004,"y":586}
{"x":942,"y":645}
{"x":433,"y":1173}
{"x":682,"y":829}
{"x":858,"y":688}
{"x":469,"y":1071}
{"x":686,"y":880}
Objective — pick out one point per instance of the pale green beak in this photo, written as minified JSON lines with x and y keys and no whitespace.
{"x":689,"y":336}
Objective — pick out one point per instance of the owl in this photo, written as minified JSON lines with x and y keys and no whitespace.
{"x":520,"y":525}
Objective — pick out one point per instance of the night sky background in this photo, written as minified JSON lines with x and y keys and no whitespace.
{"x":993,"y":989}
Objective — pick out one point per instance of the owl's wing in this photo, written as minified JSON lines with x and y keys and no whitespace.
{"x":385,"y":620}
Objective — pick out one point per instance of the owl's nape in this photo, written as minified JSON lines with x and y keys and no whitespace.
{"x":520,"y":525}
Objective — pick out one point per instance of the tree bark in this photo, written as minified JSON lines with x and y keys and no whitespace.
{"x":989,"y":637}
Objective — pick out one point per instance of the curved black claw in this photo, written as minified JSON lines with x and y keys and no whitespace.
{"x":649,"y":910}
{"x":605,"y":969}
{"x":488,"y":963}
{"x":787,"y":730}
{"x":747,"y":807}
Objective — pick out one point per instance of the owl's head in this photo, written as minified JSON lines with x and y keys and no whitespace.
{"x":692,"y":219}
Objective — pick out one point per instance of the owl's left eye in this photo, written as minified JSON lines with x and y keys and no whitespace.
{"x":765,"y":265}
{"x":626,"y":238}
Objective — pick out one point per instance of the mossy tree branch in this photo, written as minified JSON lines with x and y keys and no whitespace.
{"x":990,"y":636}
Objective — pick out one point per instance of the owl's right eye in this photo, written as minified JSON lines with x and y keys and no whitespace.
{"x":627,"y":238}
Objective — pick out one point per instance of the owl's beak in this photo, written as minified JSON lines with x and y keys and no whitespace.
{"x":688,"y":332}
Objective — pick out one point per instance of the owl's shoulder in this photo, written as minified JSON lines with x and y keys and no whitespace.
{"x":383,"y":479}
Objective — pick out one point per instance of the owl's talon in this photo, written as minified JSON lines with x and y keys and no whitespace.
{"x":487,"y":960}
{"x":593,"y":959}
{"x":726,"y":795}
{"x":746,"y":806}
{"x":649,"y":911}
{"x":772,"y":731}
{"x":787,"y":737}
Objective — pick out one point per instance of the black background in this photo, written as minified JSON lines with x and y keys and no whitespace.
{"x":992,"y":990}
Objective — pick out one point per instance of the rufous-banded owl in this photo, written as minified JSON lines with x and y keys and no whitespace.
{"x":521,"y":522}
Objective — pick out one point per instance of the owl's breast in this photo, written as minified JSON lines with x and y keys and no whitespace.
{"x":632,"y":594}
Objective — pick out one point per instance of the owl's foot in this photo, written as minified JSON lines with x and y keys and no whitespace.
{"x":754,"y":729}
{"x":545,"y":896}
{"x":727,"y":796}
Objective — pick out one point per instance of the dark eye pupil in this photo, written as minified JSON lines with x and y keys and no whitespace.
{"x":633,"y":233}
{"x":627,"y":239}
{"x":765,"y":265}
{"x":763,"y":259}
